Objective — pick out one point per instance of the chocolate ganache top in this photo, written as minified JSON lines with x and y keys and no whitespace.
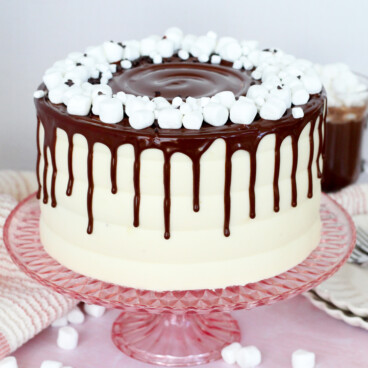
{"x":172,"y":78}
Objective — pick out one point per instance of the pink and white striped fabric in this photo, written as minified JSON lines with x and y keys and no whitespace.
{"x":26,"y":307}
{"x":354,"y":199}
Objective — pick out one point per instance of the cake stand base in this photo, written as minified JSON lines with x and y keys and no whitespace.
{"x":174,"y":339}
{"x":177,"y":328}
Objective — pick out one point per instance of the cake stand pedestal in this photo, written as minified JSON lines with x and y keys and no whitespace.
{"x":177,"y":328}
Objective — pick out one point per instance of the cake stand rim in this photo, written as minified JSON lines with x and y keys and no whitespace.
{"x":187,"y":309}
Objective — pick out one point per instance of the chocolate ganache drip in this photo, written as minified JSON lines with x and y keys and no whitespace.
{"x":171,"y":79}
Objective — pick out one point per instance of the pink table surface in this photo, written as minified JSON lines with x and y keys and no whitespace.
{"x":277,"y":330}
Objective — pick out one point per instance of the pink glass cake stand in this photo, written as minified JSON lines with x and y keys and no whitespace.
{"x":177,"y":328}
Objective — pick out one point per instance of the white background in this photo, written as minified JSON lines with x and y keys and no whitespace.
{"x":35,"y":33}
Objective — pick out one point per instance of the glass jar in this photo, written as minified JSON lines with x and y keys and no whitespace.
{"x":344,"y":137}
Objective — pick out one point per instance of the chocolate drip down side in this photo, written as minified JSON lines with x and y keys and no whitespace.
{"x":191,"y":143}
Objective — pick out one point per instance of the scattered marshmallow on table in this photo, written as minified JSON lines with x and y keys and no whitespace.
{"x":60,"y":322}
{"x":9,"y":362}
{"x":303,"y":359}
{"x":94,"y":310}
{"x":248,"y":357}
{"x":51,"y":364}
{"x":76,"y":316}
{"x":67,"y":338}
{"x":229,"y":352}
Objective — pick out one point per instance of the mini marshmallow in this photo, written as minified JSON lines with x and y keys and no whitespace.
{"x":175,"y":35}
{"x":141,"y":119}
{"x":231,"y":51}
{"x":203,"y":45}
{"x":212,"y":34}
{"x":148,"y":45}
{"x":79,"y":105}
{"x":9,"y":362}
{"x":188,"y":41}
{"x":75,"y":56}
{"x":247,"y":65}
{"x":177,"y":101}
{"x":51,"y":364}
{"x":193,"y":103}
{"x":256,"y":91}
{"x":204,"y":101}
{"x":185,"y":108}
{"x":257,"y":75}
{"x":226,"y":98}
{"x":203,"y":58}
{"x":311,"y":83}
{"x":283,"y":93}
{"x":113,"y":51}
{"x":135,"y":104}
{"x":238,"y":64}
{"x":297,"y":112}
{"x":303,"y":359}
{"x":67,"y":338}
{"x":215,"y":114}
{"x":157,"y":59}
{"x":131,"y":52}
{"x":165,"y":48}
{"x":111,"y":111}
{"x":299,"y":96}
{"x":39,"y":93}
{"x":122,"y":96}
{"x":52,"y":79}
{"x":193,"y":120}
{"x":229,"y":352}
{"x":76,"y":316}
{"x":60,"y":322}
{"x":126,"y":64}
{"x":96,"y":103}
{"x":272,"y":109}
{"x":99,"y":88}
{"x":161,"y":103}
{"x":248,"y":357}
{"x":243,"y":112}
{"x":78,"y":74}
{"x":170,"y":119}
{"x":183,"y":54}
{"x":97,"y":53}
{"x":215,"y":59}
{"x":94,"y":310}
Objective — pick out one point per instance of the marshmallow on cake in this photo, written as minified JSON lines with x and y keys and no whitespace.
{"x":180,"y":162}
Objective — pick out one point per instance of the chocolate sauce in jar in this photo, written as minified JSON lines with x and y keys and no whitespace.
{"x":343,"y":146}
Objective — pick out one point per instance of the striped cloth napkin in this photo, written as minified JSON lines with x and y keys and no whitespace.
{"x":26,"y":307}
{"x":353,"y":198}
